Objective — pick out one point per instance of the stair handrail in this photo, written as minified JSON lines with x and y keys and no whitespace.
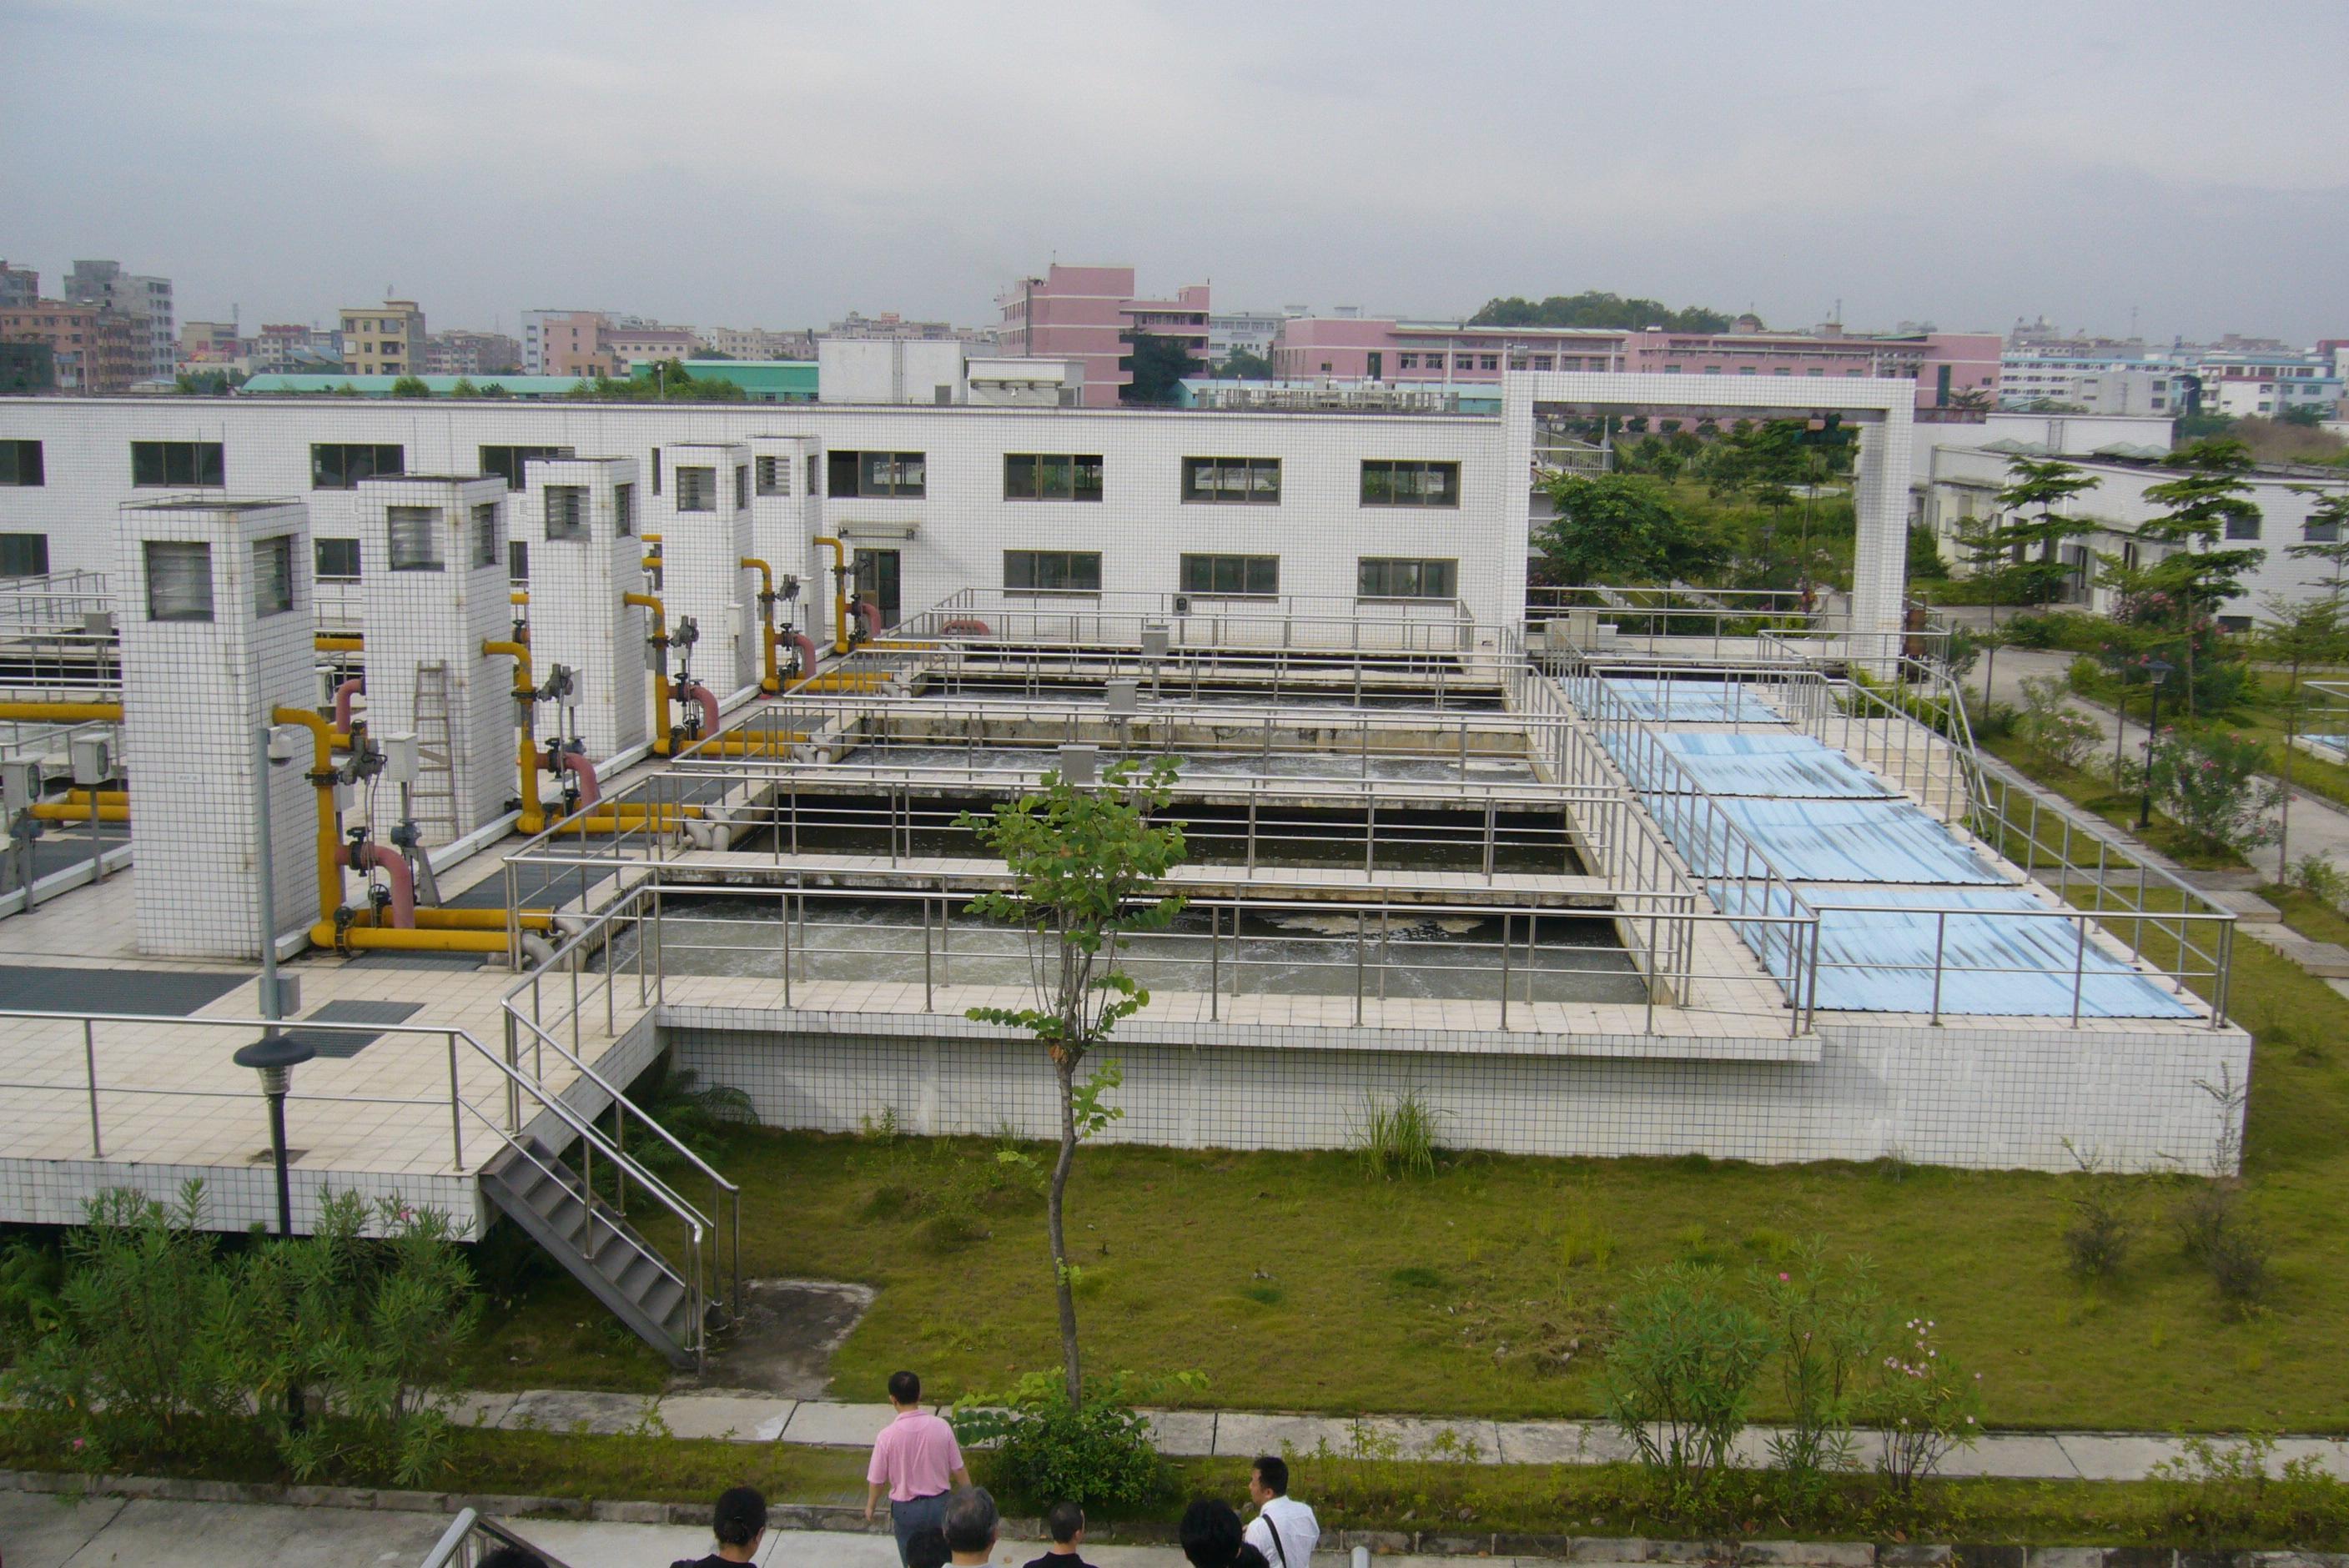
{"x":449,"y":1551}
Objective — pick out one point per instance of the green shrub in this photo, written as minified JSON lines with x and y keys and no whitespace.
{"x":2218,"y":1492}
{"x":2211,"y":786}
{"x":1826,"y":1323}
{"x":1099,"y":1456}
{"x":1925,"y":1406}
{"x":1680,"y":1372}
{"x":1396,"y":1137}
{"x":2096,"y":1242}
{"x":2057,"y":732}
{"x":2319,"y":879}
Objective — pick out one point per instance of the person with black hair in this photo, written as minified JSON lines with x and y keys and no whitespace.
{"x":916,"y":1463}
{"x":1284,"y":1529}
{"x":1065,"y":1522}
{"x":740,"y":1524}
{"x":971,"y":1523}
{"x":927,"y":1548}
{"x":1210,"y":1536}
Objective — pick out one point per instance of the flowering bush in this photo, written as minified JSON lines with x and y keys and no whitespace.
{"x":1926,"y":1405}
{"x":2211,"y":786}
{"x":1826,"y":1323}
{"x":2058,"y":731}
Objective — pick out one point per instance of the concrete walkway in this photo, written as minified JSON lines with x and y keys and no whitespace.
{"x":1240,"y":1434}
{"x":40,"y":1531}
{"x":2318,"y":826}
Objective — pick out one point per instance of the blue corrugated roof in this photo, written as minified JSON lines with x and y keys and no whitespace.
{"x":1694,"y":701}
{"x":1774,"y":764}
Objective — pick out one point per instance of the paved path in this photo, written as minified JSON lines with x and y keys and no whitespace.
{"x":2318,"y":826}
{"x":39,"y":1531}
{"x":825,"y":1423}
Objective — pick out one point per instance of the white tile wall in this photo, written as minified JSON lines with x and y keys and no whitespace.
{"x":577,"y":616}
{"x":194,"y":693}
{"x":703,"y":575}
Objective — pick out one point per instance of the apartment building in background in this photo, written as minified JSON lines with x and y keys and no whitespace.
{"x":91,"y":349}
{"x":145,"y":301}
{"x":19,"y":286}
{"x":1951,"y":370}
{"x":1252,"y":330}
{"x":565,"y":343}
{"x":464,"y":353}
{"x":285,"y":347}
{"x":384,"y":340}
{"x":757,"y":343}
{"x":1090,"y":314}
{"x":211,"y":343}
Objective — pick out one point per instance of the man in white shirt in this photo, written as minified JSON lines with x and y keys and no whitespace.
{"x":1284,"y":1529}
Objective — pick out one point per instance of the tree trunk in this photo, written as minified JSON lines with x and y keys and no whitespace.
{"x":1066,"y":1067}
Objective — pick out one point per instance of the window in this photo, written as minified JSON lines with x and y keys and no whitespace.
{"x":517,"y":561}
{"x":774,"y":476}
{"x":415,"y":538}
{"x":814,"y":475}
{"x":1407,"y":361}
{"x":176,"y":463}
{"x":485,"y":534}
{"x":1052,"y":571}
{"x":743,"y":488}
{"x":335,"y":466}
{"x":1254,"y":480}
{"x":273,"y":575}
{"x":1031,"y":476}
{"x":337,"y":559}
{"x":697,"y":489}
{"x":24,"y":555}
{"x":1489,"y":361}
{"x":657,"y":474}
{"x":506,"y":463}
{"x":567,"y":511}
{"x":2320,"y":533}
{"x":20,"y":463}
{"x":904,"y":474}
{"x":179,"y":581}
{"x":1252,"y":575}
{"x":2234,"y":622}
{"x":623,"y":508}
{"x":1393,"y":577}
{"x":2243,"y":527}
{"x":1410,"y":484}
{"x":1541,"y":361}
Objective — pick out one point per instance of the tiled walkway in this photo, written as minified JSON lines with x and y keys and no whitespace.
{"x":824,"y":1423}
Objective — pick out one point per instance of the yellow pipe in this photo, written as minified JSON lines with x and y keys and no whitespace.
{"x":461,"y":920}
{"x":517,"y":598}
{"x":650,"y":538}
{"x":652,"y":562}
{"x":63,"y":712}
{"x":105,"y":796}
{"x":534,"y":819}
{"x":330,"y":838}
{"x":663,"y":736}
{"x":325,"y":645}
{"x":59,"y":811}
{"x":772,"y":681}
{"x":751,"y":743}
{"x":839,"y":593}
{"x":362,"y":937}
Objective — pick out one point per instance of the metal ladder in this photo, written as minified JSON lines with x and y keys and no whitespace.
{"x":436,"y":775}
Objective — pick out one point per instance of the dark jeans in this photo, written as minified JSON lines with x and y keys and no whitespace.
{"x":910,"y":1519}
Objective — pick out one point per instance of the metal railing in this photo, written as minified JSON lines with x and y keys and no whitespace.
{"x":471,"y":1537}
{"x":1226,"y":620}
{"x":1439,"y":678}
{"x":505,"y":1123}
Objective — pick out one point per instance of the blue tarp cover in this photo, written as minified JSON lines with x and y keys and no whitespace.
{"x":1694,"y":702}
{"x":1883,"y":841}
{"x":1780,"y":767}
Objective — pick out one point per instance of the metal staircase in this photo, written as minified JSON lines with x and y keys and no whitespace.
{"x":529,"y":1184}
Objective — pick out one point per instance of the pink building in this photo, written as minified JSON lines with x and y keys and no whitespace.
{"x":1088,"y":313}
{"x":1343,"y":348}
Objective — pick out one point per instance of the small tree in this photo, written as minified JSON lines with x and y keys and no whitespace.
{"x":1157,"y":366}
{"x":463,"y":388}
{"x":2032,"y":528}
{"x":1246,"y":364}
{"x":2305,"y":632}
{"x":1086,"y":863}
{"x":2209,"y":501}
{"x":410,"y":386}
{"x":2327,"y":541}
{"x":1681,"y":1370}
{"x":1617,"y":528}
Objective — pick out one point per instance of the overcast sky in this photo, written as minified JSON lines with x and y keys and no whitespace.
{"x":772,"y":164}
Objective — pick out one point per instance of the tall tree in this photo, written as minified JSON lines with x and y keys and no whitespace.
{"x":1620,"y":529}
{"x":1158,"y":365}
{"x":2209,"y":501}
{"x":1086,"y":862}
{"x":1246,"y":365}
{"x":2033,"y":528}
{"x":1595,"y":307}
{"x":2300,"y":633}
{"x":2327,"y":539}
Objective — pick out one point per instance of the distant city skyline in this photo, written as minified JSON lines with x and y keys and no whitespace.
{"x":780,"y":167}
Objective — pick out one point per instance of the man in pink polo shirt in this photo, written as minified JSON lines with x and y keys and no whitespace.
{"x":917,"y":1462}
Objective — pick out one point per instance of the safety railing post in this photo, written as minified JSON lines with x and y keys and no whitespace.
{"x":1505,"y":969}
{"x":1215,"y":963}
{"x":456,"y":1116}
{"x":1940,"y":934}
{"x":89,"y":1067}
{"x":2079,"y":967}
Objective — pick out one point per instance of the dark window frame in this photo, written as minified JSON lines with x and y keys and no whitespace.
{"x":863,"y":471}
{"x":31,"y":547}
{"x":1383,"y":483}
{"x":511,"y":464}
{"x":1250,"y":492}
{"x":435,"y":557}
{"x":21,"y":467}
{"x":342,"y":550}
{"x":280,"y":545}
{"x":1382,"y":577}
{"x":148,"y":558}
{"x":1052,"y":475}
{"x":1018,"y":564}
{"x":177,"y":465}
{"x":695,"y":486}
{"x":331,"y":467}
{"x":1198,"y":573}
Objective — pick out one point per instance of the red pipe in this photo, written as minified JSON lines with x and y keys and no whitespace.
{"x":588,"y":791}
{"x":871,"y":614}
{"x":702,"y":694}
{"x":806,"y":646}
{"x":396,"y":871}
{"x":343,"y":694}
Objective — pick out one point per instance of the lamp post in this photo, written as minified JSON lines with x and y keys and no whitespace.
{"x":276,"y":1056}
{"x":2159,"y":670}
